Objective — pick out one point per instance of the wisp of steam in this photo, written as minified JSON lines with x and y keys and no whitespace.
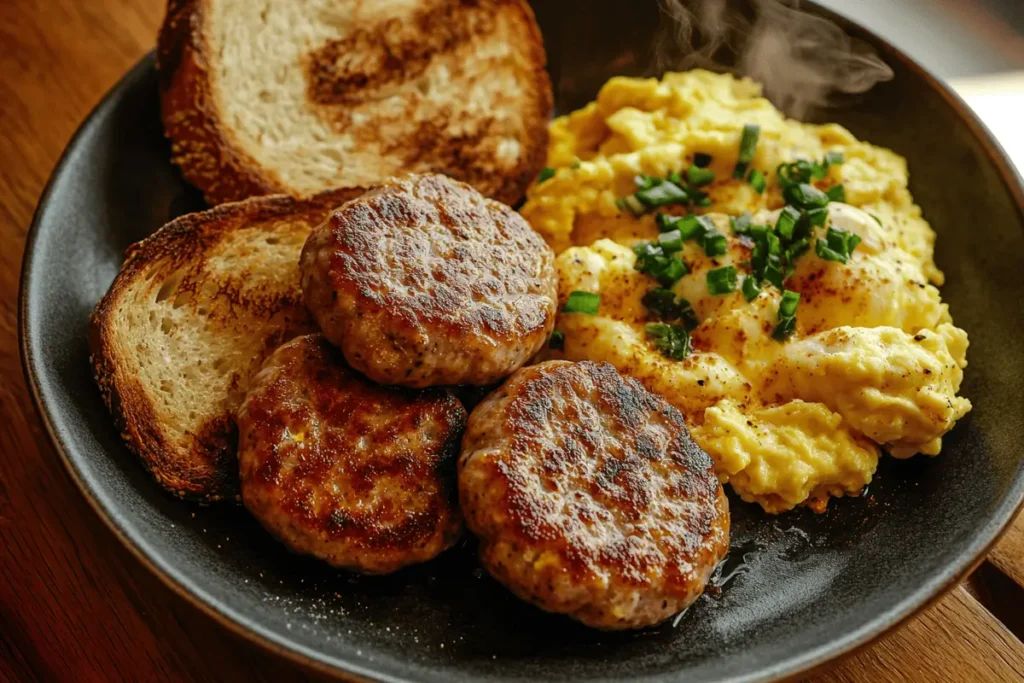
{"x":803,"y":61}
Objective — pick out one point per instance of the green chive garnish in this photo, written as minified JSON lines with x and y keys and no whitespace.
{"x":837,"y":245}
{"x":662,"y":195}
{"x":748,"y":146}
{"x":836,"y":193}
{"x":748,"y":142}
{"x":646,"y":182}
{"x":652,"y":260}
{"x":670,"y":241}
{"x":546,"y":173}
{"x":689,"y":227}
{"x":834,"y":158}
{"x":582,"y":302}
{"x":740,"y":224}
{"x":877,"y":219}
{"x":673,"y":341}
{"x":557,"y":340}
{"x":575,"y":164}
{"x":629,"y":204}
{"x":722,"y":280}
{"x":698,"y":177}
{"x":787,"y":315}
{"x":750,"y":288}
{"x":757,"y":180}
{"x":786,"y":223}
{"x":664,"y":304}
{"x":805,"y":196}
{"x":715,"y":245}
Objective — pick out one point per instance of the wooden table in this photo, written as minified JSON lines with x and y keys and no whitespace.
{"x":74,"y":605}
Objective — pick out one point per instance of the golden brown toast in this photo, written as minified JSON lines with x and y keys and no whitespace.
{"x":297,"y":97}
{"x":194,"y":311}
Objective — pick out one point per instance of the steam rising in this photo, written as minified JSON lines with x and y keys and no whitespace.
{"x":802,"y":60}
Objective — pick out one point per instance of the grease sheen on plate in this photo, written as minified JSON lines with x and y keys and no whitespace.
{"x":809,"y":586}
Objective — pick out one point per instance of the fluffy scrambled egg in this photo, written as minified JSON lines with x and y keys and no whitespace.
{"x":875,"y":360}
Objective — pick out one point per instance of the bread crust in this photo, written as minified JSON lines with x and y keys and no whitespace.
{"x":210,"y":157}
{"x":208,"y":470}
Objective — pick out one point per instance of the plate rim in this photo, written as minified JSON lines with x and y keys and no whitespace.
{"x":252,"y":631}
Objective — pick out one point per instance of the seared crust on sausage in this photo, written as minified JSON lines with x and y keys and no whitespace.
{"x":359,"y":475}
{"x":589,"y":496}
{"x":424,"y":282}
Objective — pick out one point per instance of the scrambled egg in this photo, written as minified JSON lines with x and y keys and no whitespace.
{"x":875,"y":360}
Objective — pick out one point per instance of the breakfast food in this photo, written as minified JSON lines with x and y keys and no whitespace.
{"x":771,"y":279}
{"x":589,"y":497}
{"x":299,"y":97}
{"x":187,"y":322}
{"x":424,"y":282}
{"x":359,"y":475}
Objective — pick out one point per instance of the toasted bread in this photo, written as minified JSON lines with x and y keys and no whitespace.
{"x":296,"y":97}
{"x":187,"y":322}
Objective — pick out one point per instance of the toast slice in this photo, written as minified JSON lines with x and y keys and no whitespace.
{"x":190,"y":318}
{"x":298,"y":96}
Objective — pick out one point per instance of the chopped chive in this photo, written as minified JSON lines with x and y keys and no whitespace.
{"x":646,"y":182}
{"x":834,"y":158}
{"x":784,"y":329}
{"x":670,"y":241}
{"x":750,"y":288}
{"x":786,"y":222}
{"x":701,"y":160}
{"x":740,"y":171}
{"x":787,"y":305}
{"x":805,"y":196}
{"x":546,"y":173}
{"x":722,"y":280}
{"x":582,"y":302}
{"x":816,"y":217}
{"x":662,"y":303}
{"x":662,"y":195}
{"x":630,"y":204}
{"x":748,"y":142}
{"x":787,"y":315}
{"x":699,"y":177}
{"x":877,"y":219}
{"x":673,"y":341}
{"x":842,"y":240}
{"x":676,"y":177}
{"x":575,"y":164}
{"x":757,"y":180}
{"x":740,"y":224}
{"x":688,"y":226}
{"x":703,"y":202}
{"x":836,"y":193}
{"x":797,"y":249}
{"x":557,"y":340}
{"x":837,"y":245}
{"x":715,"y":245}
{"x":652,"y":260}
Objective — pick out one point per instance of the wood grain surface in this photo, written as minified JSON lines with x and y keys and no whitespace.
{"x":74,"y":605}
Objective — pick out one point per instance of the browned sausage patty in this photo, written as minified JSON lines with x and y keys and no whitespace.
{"x":589,"y":496}
{"x":425,"y":282}
{"x":359,"y":475}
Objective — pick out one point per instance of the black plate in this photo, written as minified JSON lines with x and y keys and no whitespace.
{"x":801,"y":588}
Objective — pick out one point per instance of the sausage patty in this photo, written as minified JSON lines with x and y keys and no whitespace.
{"x":359,"y":475}
{"x":589,"y":496}
{"x":425,"y":282}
